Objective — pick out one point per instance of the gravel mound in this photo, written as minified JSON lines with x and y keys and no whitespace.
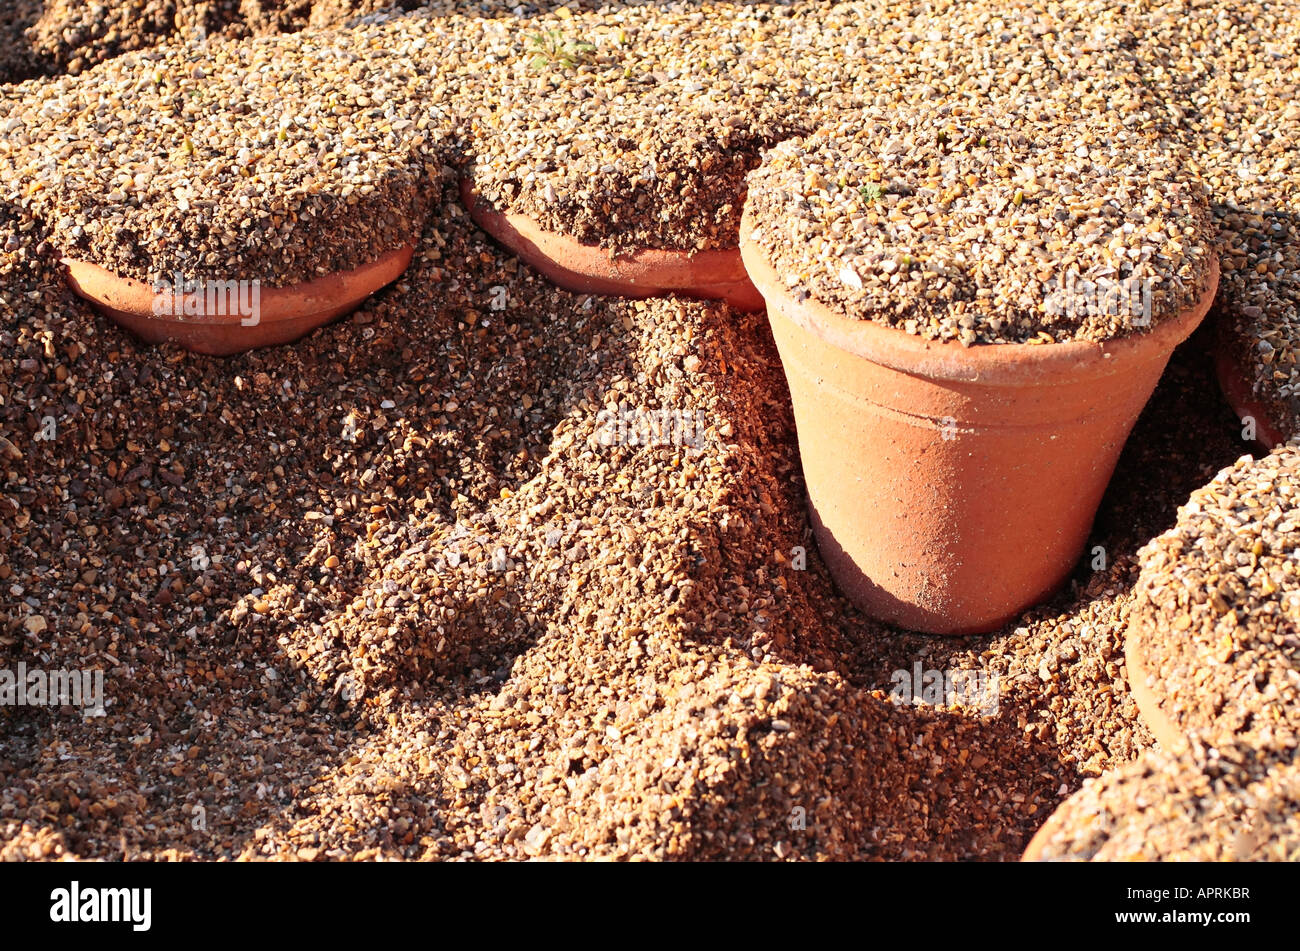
{"x":278,"y":159}
{"x":966,"y":224}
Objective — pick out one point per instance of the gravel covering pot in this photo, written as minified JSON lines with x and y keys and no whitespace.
{"x":952,"y":487}
{"x":585,"y":268}
{"x":284,"y":313}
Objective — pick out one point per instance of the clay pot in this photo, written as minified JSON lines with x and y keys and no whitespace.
{"x":952,"y":487}
{"x":1236,"y":387}
{"x":589,"y":269}
{"x":284,"y":314}
{"x":1036,"y":850}
{"x":1158,"y":722}
{"x":1201,"y":802}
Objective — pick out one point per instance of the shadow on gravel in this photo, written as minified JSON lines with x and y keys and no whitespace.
{"x":1185,"y":435}
{"x":18,"y":60}
{"x":267,"y":487}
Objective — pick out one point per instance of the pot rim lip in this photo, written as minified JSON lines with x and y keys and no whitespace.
{"x":1010,"y":364}
{"x":289,"y":302}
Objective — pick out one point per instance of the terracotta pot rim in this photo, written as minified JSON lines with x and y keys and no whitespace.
{"x":322,"y":294}
{"x":577,"y":266}
{"x":1011,"y":364}
{"x":1167,"y":734}
{"x":1034,"y":850}
{"x":1238,"y":392}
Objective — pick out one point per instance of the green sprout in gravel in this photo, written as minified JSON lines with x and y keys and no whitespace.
{"x":871,"y":192}
{"x":552,"y":49}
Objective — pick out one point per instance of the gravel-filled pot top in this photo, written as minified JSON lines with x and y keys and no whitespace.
{"x":954,"y":223}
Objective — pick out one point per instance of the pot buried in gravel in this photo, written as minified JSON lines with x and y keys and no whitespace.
{"x":589,"y":269}
{"x":952,"y":487}
{"x":1148,"y":703}
{"x":226,"y":317}
{"x":1233,"y":368}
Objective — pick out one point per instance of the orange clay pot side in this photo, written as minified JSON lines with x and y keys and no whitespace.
{"x":285,"y":313}
{"x":1158,"y":722}
{"x":589,"y":269}
{"x":1034,"y":850}
{"x":1238,"y":392}
{"x":952,"y":487}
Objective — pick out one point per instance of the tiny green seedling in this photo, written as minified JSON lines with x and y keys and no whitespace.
{"x":552,"y":49}
{"x":871,"y":191}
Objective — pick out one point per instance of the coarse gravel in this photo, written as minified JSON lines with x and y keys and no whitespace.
{"x":955,"y":222}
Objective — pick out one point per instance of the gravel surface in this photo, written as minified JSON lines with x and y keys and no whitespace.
{"x":43,"y":37}
{"x":17,"y":59}
{"x":461,"y":626}
{"x":1217,"y":617}
{"x":1241,"y":126}
{"x":50,"y":37}
{"x":636,"y":128}
{"x":428,"y":583}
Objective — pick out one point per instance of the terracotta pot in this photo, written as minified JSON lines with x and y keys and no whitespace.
{"x":1236,"y":387}
{"x":589,"y":269}
{"x":1036,"y":850}
{"x":1162,"y":728}
{"x":283,"y":314}
{"x":952,"y":487}
{"x":1203,"y":802}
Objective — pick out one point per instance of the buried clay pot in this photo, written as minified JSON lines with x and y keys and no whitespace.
{"x":1232,"y":369}
{"x":1211,"y":643}
{"x":282,"y":314}
{"x":1201,"y":803}
{"x":952,"y":487}
{"x":1167,"y":734}
{"x":589,"y":269}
